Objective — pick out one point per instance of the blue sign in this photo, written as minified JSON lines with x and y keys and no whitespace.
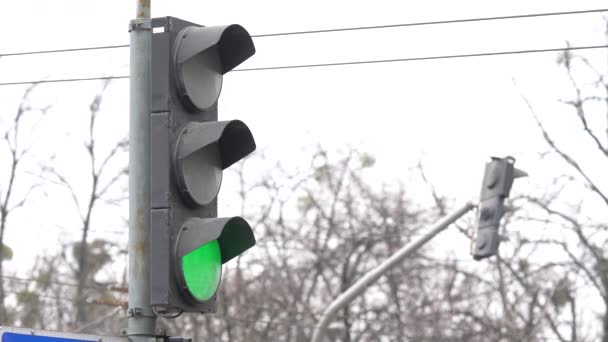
{"x":10,"y":334}
{"x":14,"y":337}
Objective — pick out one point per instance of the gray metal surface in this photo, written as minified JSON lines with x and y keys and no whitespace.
{"x":164,"y":291}
{"x":186,"y":137}
{"x":168,"y":209}
{"x":233,"y":234}
{"x":234,"y":133}
{"x":369,"y":278}
{"x":497,"y":178}
{"x":31,"y":333}
{"x":497,"y":182}
{"x":159,"y":146}
{"x":203,"y":150}
{"x":142,"y":320}
{"x":203,"y":55}
{"x":160,"y":242}
{"x":233,"y":41}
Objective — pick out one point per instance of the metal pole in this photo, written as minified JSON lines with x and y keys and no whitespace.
{"x":373,"y":275}
{"x":141,"y":318}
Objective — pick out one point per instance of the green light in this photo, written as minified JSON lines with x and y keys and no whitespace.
{"x":202,"y":269}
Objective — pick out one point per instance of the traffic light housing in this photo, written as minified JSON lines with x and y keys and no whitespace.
{"x":497,"y":181}
{"x":189,"y":151}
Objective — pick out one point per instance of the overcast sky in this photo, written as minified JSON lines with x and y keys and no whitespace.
{"x":451,"y":114}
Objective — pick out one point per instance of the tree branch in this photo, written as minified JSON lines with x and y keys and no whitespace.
{"x":569,"y":160}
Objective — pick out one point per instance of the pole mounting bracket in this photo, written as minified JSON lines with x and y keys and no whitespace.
{"x":139,"y":312}
{"x":140,"y":24}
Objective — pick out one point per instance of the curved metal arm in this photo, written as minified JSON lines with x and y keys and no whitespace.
{"x":373,"y":275}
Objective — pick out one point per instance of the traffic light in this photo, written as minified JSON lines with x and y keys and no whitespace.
{"x":497,"y":181}
{"x":189,"y":150}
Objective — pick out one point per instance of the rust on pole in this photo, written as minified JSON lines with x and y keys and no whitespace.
{"x":143,"y":9}
{"x":141,"y":317}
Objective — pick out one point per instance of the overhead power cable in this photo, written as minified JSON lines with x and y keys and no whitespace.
{"x":425,"y":58}
{"x":24,"y":53}
{"x":299,"y":66}
{"x":436,"y":22}
{"x":67,"y":80}
{"x":343,"y":29}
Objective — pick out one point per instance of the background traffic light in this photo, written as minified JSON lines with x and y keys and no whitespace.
{"x":189,"y":151}
{"x":497,"y":181}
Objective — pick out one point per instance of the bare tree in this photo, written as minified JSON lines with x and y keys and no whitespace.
{"x":318,"y":231}
{"x":575,"y":231}
{"x":104,"y":176}
{"x":44,"y":300}
{"x":9,"y":201}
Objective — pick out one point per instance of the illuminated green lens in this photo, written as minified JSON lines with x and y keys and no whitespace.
{"x":202,"y":270}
